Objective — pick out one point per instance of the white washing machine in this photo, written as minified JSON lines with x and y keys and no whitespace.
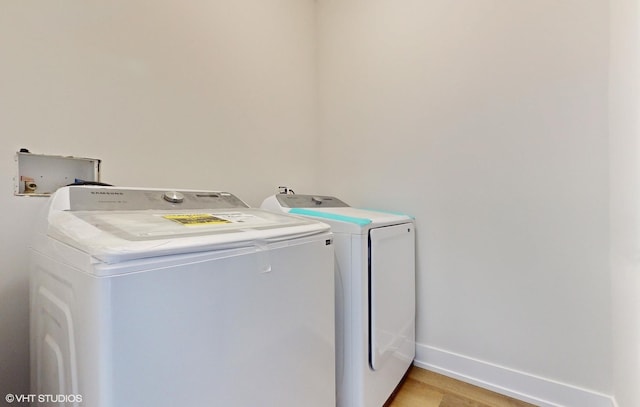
{"x":141,"y":297}
{"x":375,"y":294}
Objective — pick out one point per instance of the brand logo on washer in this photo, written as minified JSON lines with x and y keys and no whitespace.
{"x":106,"y":193}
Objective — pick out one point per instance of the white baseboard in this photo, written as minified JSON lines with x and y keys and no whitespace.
{"x":520,"y":385}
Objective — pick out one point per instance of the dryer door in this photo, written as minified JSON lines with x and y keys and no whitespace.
{"x":391,"y":295}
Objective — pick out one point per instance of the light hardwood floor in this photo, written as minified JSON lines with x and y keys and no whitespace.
{"x":423,"y":388}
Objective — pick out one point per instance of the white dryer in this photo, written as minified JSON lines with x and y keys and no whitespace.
{"x":375,"y":294}
{"x":147,"y":298}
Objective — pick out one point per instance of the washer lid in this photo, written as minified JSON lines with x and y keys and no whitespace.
{"x":114,"y":236}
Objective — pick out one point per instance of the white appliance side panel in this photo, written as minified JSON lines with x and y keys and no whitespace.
{"x":69,"y":328}
{"x":245,"y":331}
{"x":362,"y":389}
{"x":345,"y":326}
{"x":392,"y":297}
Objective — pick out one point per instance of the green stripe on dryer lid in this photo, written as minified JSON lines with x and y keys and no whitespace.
{"x":332,"y":216}
{"x":391,"y":213}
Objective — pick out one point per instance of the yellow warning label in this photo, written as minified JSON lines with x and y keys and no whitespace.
{"x":197,"y":219}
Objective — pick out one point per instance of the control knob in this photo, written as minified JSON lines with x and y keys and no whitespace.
{"x":173,"y":197}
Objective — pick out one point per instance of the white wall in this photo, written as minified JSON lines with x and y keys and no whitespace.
{"x":487,"y":120}
{"x":198,"y":94}
{"x":625,"y":198}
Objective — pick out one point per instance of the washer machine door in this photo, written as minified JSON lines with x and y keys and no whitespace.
{"x":391,"y":295}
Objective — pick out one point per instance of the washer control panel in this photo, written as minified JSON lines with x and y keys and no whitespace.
{"x":84,"y":198}
{"x":309,"y":201}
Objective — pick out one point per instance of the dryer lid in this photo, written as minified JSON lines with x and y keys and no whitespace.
{"x":341,"y":217}
{"x":352,"y":220}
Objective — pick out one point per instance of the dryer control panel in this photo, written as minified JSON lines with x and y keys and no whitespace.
{"x":82,"y":198}
{"x":310,"y":201}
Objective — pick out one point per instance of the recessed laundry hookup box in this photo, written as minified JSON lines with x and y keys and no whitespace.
{"x":42,"y":175}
